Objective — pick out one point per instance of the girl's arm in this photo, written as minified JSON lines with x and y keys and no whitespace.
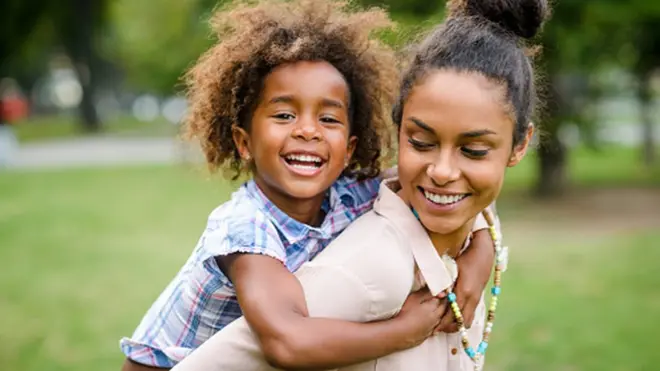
{"x":133,"y":366}
{"x":273,"y":303}
{"x":475,"y":266}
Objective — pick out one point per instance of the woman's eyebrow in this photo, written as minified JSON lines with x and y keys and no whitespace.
{"x":477,"y":133}
{"x":421,"y":124}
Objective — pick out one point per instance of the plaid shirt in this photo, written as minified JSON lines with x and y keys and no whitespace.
{"x":200,"y":300}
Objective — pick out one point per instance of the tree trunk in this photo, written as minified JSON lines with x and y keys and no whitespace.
{"x":552,"y":152}
{"x":89,"y":117}
{"x":79,"y":39}
{"x":552,"y":167}
{"x":646,"y":112}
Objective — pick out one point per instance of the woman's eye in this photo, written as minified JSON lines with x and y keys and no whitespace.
{"x":284,"y":116}
{"x":474,"y":153}
{"x":419,"y":145}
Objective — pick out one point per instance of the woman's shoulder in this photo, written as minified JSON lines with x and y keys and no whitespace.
{"x":373,"y":253}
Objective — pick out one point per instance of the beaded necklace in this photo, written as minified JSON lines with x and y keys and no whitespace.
{"x":501,"y":258}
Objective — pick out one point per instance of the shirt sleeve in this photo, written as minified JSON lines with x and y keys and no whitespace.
{"x":169,"y":331}
{"x":249,"y":231}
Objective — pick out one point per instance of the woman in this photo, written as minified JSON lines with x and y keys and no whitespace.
{"x":463,"y":116}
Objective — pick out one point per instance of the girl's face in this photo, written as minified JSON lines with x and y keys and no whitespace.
{"x":456,"y":141}
{"x":299,"y":138}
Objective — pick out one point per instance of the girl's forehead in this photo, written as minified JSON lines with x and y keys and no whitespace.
{"x":306,"y":79}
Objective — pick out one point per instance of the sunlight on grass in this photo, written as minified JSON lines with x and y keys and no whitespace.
{"x":85,"y":252}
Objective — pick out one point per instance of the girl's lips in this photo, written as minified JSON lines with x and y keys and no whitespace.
{"x":305,"y":169}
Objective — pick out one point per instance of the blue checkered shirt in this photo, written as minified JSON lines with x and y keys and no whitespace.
{"x":200,"y":300}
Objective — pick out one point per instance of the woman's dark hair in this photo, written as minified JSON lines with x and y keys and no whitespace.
{"x":486,"y":37}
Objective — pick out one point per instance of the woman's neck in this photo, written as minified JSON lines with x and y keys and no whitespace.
{"x":450,"y":244}
{"x":445,"y":244}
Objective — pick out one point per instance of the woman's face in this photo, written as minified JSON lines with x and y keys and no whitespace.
{"x":455,"y":143}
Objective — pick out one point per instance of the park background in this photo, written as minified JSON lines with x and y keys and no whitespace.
{"x":101,"y":203}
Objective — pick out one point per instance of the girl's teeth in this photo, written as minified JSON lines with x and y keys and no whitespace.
{"x":304,"y":158}
{"x":304,"y":167}
{"x":443,"y":199}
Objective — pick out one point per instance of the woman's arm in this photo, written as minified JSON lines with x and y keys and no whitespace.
{"x":273,"y":303}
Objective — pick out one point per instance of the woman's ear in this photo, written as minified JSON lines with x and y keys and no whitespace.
{"x":520,"y":150}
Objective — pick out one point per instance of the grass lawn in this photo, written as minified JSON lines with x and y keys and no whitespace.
{"x":84,"y":252}
{"x":66,"y":126}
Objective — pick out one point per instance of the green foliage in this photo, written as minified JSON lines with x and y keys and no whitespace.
{"x":156,"y":42}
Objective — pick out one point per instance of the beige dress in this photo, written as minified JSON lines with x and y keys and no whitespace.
{"x":366,"y":274}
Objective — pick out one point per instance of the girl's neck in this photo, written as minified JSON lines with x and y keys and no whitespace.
{"x":307,"y":211}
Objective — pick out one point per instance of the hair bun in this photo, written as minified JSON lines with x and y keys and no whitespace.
{"x":522,"y":17}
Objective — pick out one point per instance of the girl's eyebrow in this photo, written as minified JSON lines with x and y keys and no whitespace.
{"x":281,"y":99}
{"x":327,"y":102}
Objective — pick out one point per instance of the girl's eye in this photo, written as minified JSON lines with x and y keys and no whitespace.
{"x":284,"y":116}
{"x":474,"y":153}
{"x":420,"y":146}
{"x":330,"y":120}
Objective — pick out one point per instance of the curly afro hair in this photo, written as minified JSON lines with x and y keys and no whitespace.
{"x":254,"y":37}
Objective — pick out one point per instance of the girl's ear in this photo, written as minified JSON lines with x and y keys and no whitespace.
{"x":352,"y":144}
{"x":242,"y":142}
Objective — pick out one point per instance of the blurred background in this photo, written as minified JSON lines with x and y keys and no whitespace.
{"x":100,"y":203}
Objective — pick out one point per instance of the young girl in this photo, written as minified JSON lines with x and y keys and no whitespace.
{"x":463,"y":117}
{"x":296,"y":94}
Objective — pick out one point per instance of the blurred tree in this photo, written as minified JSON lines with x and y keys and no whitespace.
{"x":633,"y":27}
{"x":29,"y":28}
{"x":20,"y":57}
{"x":78,"y":24}
{"x":645,"y":34}
{"x":157,"y":42}
{"x":18,"y":20}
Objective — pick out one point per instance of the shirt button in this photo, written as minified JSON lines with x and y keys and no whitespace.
{"x":454,"y":351}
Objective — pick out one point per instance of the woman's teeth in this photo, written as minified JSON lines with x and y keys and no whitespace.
{"x":443,"y":199}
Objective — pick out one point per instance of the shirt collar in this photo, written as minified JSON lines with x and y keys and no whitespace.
{"x":438,"y":272}
{"x":294,"y":231}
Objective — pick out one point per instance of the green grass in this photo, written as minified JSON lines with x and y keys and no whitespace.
{"x":84,"y":252}
{"x":45,"y":128}
{"x":611,"y":166}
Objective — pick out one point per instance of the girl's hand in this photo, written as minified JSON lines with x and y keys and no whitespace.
{"x":420,"y":315}
{"x":474,"y":269}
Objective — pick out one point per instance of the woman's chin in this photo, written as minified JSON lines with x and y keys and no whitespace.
{"x":442,"y":227}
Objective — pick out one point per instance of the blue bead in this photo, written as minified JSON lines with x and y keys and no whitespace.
{"x":470,"y":352}
{"x":496,"y":290}
{"x":482,"y":347}
{"x":451,"y":297}
{"x":415,"y":213}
